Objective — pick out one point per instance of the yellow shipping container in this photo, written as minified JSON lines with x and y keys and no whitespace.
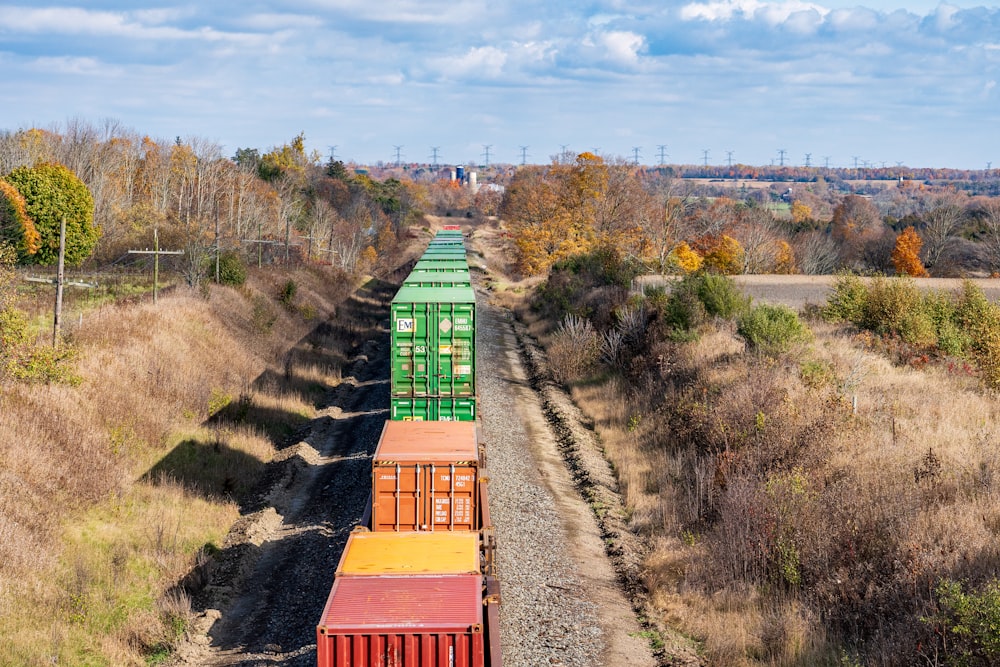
{"x":390,"y":553}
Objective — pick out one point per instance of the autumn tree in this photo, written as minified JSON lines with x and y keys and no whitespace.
{"x":542,"y":229}
{"x":721,"y":253}
{"x":988,"y":214}
{"x":906,"y":254}
{"x":16,"y":228}
{"x":52,"y":193}
{"x":940,"y":229}
{"x":685,"y":258}
{"x":859,"y":229}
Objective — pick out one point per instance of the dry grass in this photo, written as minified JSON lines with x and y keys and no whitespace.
{"x":830,"y":484}
{"x":109,"y":490}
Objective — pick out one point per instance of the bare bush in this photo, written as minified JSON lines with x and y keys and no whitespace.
{"x":573,"y":350}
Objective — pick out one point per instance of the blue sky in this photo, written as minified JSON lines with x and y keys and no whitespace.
{"x":748,"y":81}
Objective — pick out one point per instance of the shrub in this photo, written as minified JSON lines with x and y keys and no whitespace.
{"x":683,"y":312}
{"x":721,"y":296}
{"x":848,"y":301}
{"x":232,"y":269}
{"x":770,"y":329}
{"x":287,"y":292}
{"x":968,"y":622}
{"x":574,"y":349}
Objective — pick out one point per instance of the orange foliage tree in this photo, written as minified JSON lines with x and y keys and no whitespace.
{"x":16,"y":227}
{"x":906,"y":254}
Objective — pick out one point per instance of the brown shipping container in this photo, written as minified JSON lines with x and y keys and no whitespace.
{"x":425,"y":476}
{"x":403,"y":622}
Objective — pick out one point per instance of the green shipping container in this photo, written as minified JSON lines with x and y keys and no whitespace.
{"x":441,"y":265}
{"x":439,"y":279}
{"x":433,"y":342}
{"x":434,"y":409}
{"x":444,"y":253}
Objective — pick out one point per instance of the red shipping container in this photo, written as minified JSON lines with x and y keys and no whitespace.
{"x":403,"y":622}
{"x":425,"y":476}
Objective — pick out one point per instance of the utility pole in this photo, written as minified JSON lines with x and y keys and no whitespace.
{"x":60,"y":276}
{"x":60,"y":282}
{"x":156,"y":252}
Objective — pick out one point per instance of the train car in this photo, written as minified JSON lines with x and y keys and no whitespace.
{"x":416,"y":584}
{"x":440,"y":265}
{"x":438,"y":279}
{"x":433,"y":342}
{"x":426,"y":477}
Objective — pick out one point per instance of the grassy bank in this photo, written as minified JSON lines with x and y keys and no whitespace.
{"x":832,"y":501}
{"x":112,"y":489}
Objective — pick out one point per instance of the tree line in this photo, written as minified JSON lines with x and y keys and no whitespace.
{"x":284,"y":200}
{"x":670,"y":224}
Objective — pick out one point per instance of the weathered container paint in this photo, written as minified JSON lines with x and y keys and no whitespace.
{"x":392,"y":553}
{"x":403,"y":622}
{"x":425,"y":477}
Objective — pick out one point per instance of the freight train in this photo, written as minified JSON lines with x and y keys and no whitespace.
{"x":416,"y":584}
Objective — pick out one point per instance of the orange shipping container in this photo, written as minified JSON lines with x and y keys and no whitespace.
{"x":425,"y":476}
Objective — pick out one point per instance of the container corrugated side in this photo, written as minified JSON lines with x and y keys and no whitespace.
{"x":437,"y":265}
{"x":439,"y":279}
{"x":392,"y":553}
{"x":432,"y":409}
{"x":425,"y":477}
{"x":403,"y":622}
{"x":433,"y":333}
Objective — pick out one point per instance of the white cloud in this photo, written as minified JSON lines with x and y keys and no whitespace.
{"x":622,"y":46}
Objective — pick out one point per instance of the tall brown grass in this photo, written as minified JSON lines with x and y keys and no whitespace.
{"x":802,"y":508}
{"x":99,"y":515}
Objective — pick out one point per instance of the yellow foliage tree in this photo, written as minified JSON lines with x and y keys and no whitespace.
{"x":801,"y":212}
{"x":906,"y":254}
{"x":784,"y":258}
{"x":685,"y":258}
{"x":722,"y":253}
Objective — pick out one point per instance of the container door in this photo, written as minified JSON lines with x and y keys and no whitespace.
{"x":410,"y":363}
{"x":398,"y":498}
{"x":452,"y":496}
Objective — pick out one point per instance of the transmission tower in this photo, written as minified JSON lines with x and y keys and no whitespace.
{"x":781,"y":157}
{"x":524,"y":155}
{"x":398,"y":149}
{"x":635,"y":155}
{"x":729,"y":158}
{"x":434,"y":155}
{"x":333,"y":153}
{"x":486,"y":153}
{"x":704,"y":156}
{"x":663,"y":153}
{"x":808,"y":160}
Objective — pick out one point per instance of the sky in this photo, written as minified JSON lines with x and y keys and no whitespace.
{"x":836,"y":83}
